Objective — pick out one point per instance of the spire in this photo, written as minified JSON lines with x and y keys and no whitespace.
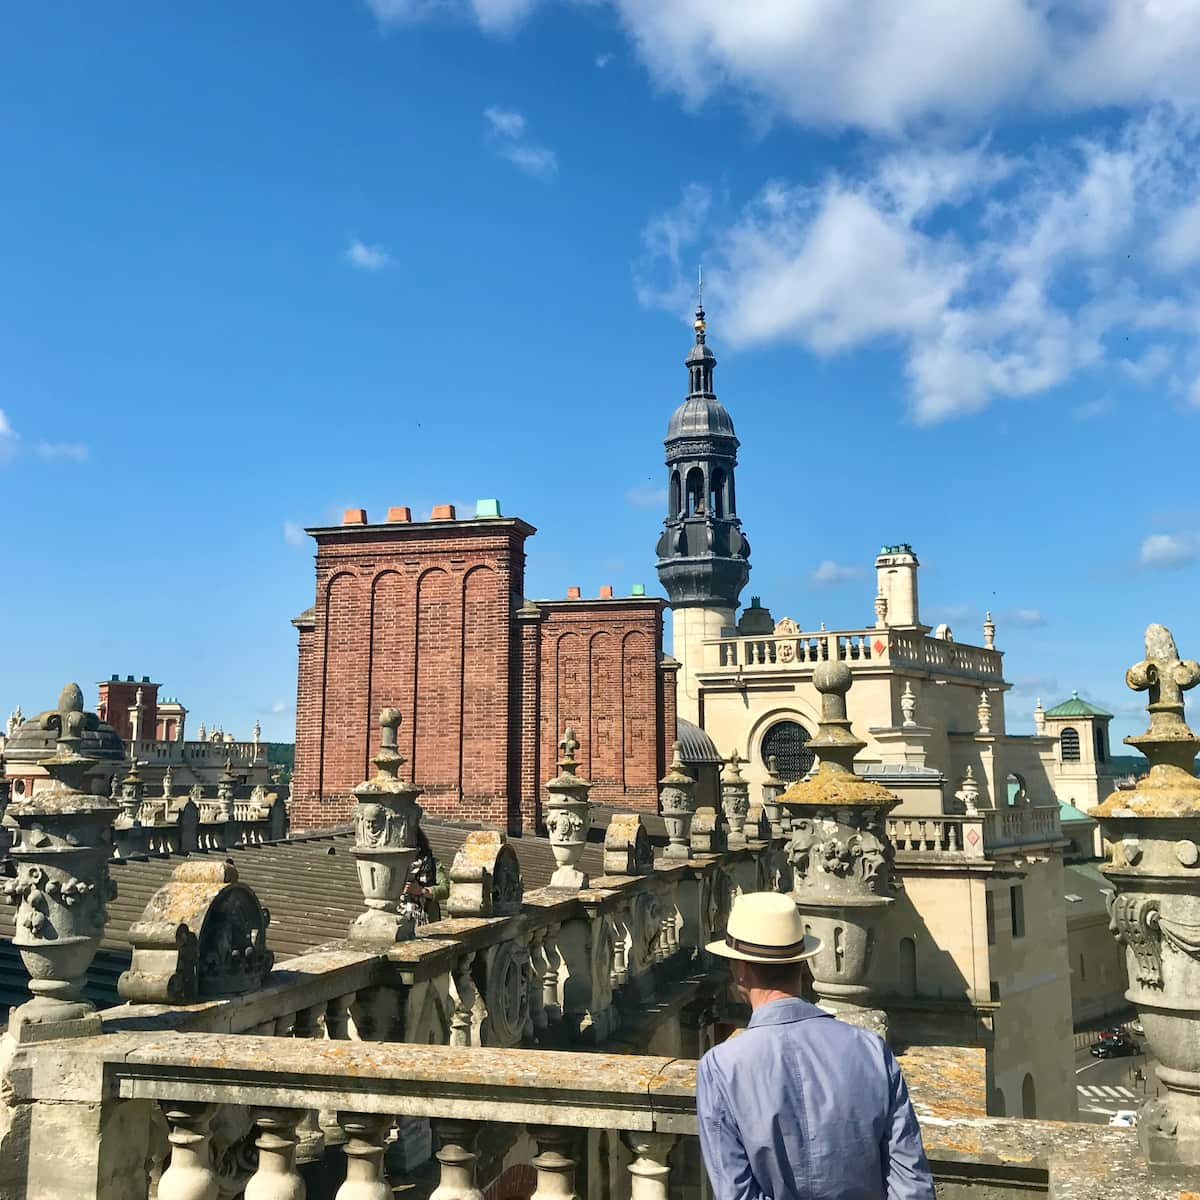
{"x":699,"y":325}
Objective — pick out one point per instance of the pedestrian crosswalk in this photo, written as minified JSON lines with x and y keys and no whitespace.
{"x":1103,"y":1092}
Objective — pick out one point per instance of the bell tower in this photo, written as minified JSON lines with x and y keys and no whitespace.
{"x":703,"y":557}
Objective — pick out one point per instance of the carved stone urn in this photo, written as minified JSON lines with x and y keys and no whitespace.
{"x":772,"y":789}
{"x":1155,"y":866}
{"x":677,"y":803}
{"x":735,"y":800}
{"x":61,"y":846}
{"x":386,"y":817}
{"x":568,"y":817}
{"x":841,"y":857}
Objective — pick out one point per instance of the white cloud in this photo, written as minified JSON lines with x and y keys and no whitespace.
{"x":1178,"y":245}
{"x":501,"y":16}
{"x":406,"y":11}
{"x":73,"y":451}
{"x":1167,"y":551}
{"x":507,"y":135}
{"x":646,"y":495}
{"x":293,"y":533}
{"x":8,"y":438}
{"x":505,"y":122}
{"x":1028,"y":617}
{"x":602,"y":60}
{"x":281,"y":706}
{"x":992,"y":277}
{"x":832,"y":574}
{"x":1092,"y":410}
{"x":367,"y":258}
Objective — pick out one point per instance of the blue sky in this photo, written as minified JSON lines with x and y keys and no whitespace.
{"x":266,"y":261}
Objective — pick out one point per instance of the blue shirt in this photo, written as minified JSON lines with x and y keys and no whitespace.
{"x":804,"y":1107}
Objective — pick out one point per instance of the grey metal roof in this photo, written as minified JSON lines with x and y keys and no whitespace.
{"x":700,"y":416}
{"x":696,"y":746}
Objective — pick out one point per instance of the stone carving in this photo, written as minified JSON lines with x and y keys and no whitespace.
{"x":627,"y":849}
{"x":787,"y":651}
{"x":506,"y":994}
{"x":908,"y":705}
{"x":984,"y":713}
{"x":61,"y":846}
{"x":202,"y":935}
{"x":568,"y":816}
{"x":386,"y":817}
{"x":1155,"y":914}
{"x":707,"y":832}
{"x":1039,"y":719}
{"x":677,"y":805}
{"x":485,"y":877}
{"x":646,"y":915}
{"x":786,"y":627}
{"x":989,"y":632}
{"x":772,"y":788}
{"x":968,"y":793}
{"x":735,"y":800}
{"x":841,"y":856}
{"x":757,"y":827}
{"x":881,"y":611}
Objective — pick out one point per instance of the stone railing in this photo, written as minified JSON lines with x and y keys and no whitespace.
{"x":943,"y":836}
{"x":153,"y":751}
{"x":188,"y":1111}
{"x":856,"y":647}
{"x":1021,"y":824}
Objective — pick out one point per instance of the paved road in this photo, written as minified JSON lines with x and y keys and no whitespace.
{"x":1107,"y":1085}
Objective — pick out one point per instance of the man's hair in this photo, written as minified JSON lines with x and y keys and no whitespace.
{"x":779,"y":977}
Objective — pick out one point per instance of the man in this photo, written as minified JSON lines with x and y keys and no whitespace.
{"x":800,"y":1106}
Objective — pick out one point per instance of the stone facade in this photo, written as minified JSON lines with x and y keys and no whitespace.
{"x":430,"y":617}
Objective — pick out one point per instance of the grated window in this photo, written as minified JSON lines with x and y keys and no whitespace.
{"x":787,"y":742}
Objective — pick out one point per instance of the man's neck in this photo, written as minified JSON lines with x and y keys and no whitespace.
{"x":760,"y":996}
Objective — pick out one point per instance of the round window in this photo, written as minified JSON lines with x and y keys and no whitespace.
{"x":787,"y":743}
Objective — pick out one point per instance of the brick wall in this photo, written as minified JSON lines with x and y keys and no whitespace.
{"x":415,"y":616}
{"x":118,"y":696}
{"x":600,"y":673}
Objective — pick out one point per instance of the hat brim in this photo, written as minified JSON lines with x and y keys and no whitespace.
{"x":722,"y":949}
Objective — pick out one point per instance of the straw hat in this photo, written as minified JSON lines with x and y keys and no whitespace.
{"x":765,"y":927}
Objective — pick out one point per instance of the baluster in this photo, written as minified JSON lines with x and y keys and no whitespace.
{"x":537,"y":971}
{"x":276,"y":1177}
{"x":649,"y":1168}
{"x":364,"y":1136}
{"x":553,"y":959}
{"x":190,"y":1174}
{"x":312,"y":1138}
{"x":456,"y":1154}
{"x":465,"y":997}
{"x":620,"y":960}
{"x":555,"y":1164}
{"x":337,"y":1028}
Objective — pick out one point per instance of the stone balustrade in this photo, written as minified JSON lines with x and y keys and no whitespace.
{"x":941,"y":836}
{"x":112,"y":1113}
{"x":859,"y":648}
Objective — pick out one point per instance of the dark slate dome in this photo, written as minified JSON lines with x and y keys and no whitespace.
{"x":700,"y":416}
{"x":695,"y":746}
{"x":31,"y":741}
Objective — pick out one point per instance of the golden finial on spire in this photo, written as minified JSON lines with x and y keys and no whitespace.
{"x":699,"y":324}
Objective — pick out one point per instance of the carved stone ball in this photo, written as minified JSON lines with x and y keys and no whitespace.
{"x":70,"y":699}
{"x":831,"y":677}
{"x":390,"y":716}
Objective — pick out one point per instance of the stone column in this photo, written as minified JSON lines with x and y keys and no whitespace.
{"x":568,"y":817}
{"x":62,"y":846}
{"x":456,"y":1157}
{"x":1155,"y":835}
{"x":190,"y":1174}
{"x":555,"y":1162}
{"x":678,"y":806}
{"x":129,"y":833}
{"x":386,"y":817}
{"x":841,"y":857}
{"x":365,"y":1135}
{"x":276,"y":1177}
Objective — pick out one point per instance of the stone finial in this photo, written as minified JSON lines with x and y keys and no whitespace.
{"x":201,"y":936}
{"x":62,"y":848}
{"x":568,"y":816}
{"x":984,"y":713}
{"x":773,"y":786}
{"x":1039,"y":718}
{"x":735,"y":799}
{"x":132,"y":791}
{"x":168,"y":783}
{"x":386,"y":818}
{"x":226,"y":785}
{"x":1154,"y":831}
{"x":881,"y":611}
{"x":908,"y":705}
{"x":989,"y":631}
{"x":677,"y":804}
{"x":485,"y":877}
{"x":968,"y":793}
{"x":202,"y":733}
{"x":14,"y":720}
{"x":627,"y":849}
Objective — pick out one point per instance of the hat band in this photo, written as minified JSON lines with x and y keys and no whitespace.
{"x":763,"y":951}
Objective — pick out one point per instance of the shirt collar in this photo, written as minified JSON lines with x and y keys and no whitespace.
{"x":783,"y":1012}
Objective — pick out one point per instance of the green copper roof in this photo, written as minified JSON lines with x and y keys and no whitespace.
{"x":1076,"y":708}
{"x":1068,"y":812}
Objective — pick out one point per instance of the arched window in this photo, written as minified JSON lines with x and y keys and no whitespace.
{"x":695,"y":492}
{"x":716,"y":493}
{"x":787,"y":741}
{"x":1014,"y":785}
{"x":908,"y":967}
{"x":676,"y":494}
{"x":1068,"y":744}
{"x":1101,"y":744}
{"x":1028,"y":1098}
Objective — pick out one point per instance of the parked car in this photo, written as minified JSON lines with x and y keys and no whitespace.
{"x":1115,"y":1047}
{"x":1124,"y":1118}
